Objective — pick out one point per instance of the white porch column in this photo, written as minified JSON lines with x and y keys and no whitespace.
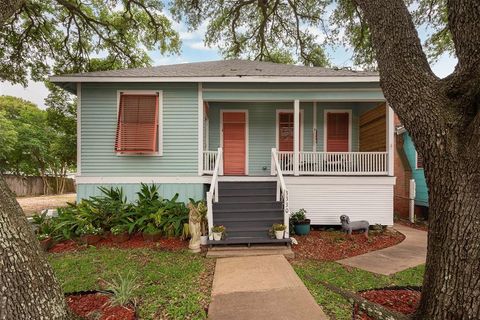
{"x":296,"y":137}
{"x":390,"y":140}
{"x":200,"y":129}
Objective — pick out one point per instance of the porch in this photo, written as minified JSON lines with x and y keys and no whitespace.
{"x":309,"y":138}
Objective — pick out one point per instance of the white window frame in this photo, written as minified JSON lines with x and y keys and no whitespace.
{"x":159,"y":153}
{"x":416,"y":161}
{"x":247,"y":144}
{"x":325,"y":113}
{"x":277,"y":126}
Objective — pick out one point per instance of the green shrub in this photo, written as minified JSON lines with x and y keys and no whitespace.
{"x":123,"y":289}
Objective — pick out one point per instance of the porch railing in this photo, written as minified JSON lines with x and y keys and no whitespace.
{"x":212,"y":194}
{"x":209,"y":159}
{"x":282,"y":191}
{"x":335,"y":163}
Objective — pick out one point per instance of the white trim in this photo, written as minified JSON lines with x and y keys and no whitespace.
{"x":346,"y":180}
{"x":247,"y":144}
{"x":277,"y":126}
{"x":390,"y":140}
{"x":416,"y":161}
{"x":292,"y":90}
{"x":307,"y":180}
{"x":314,"y":127}
{"x":159,"y":153}
{"x":79,"y":129}
{"x":150,"y":179}
{"x":296,"y":137}
{"x":200,"y":116}
{"x":349,"y":111}
{"x":262,"y":79}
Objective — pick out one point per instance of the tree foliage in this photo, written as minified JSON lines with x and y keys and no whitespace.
{"x":69,"y":33}
{"x":37,"y":142}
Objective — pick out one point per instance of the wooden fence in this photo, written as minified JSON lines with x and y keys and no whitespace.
{"x":33,"y":186}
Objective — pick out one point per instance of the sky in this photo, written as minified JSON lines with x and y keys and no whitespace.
{"x":194,"y":50}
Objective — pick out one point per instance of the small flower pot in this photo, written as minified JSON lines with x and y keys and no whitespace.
{"x":121,"y":237}
{"x":217,"y":236}
{"x":46,"y":243}
{"x":152,"y":236}
{"x":91,"y":239}
{"x":203,"y":240}
{"x":302,"y":228}
{"x":279,"y":234}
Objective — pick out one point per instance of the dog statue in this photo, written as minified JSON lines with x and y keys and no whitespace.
{"x":349,"y":226}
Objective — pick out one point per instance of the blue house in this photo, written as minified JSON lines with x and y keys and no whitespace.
{"x":257,"y":140}
{"x":416,"y":165}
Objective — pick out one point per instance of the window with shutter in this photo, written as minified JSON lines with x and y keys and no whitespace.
{"x":419,"y":161}
{"x":137,"y":125}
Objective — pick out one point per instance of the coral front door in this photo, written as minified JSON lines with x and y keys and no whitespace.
{"x":234,"y":126}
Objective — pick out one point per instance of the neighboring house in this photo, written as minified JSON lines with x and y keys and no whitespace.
{"x":409,"y":165}
{"x":256,"y":139}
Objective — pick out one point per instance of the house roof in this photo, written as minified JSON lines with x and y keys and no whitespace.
{"x":223,"y":68}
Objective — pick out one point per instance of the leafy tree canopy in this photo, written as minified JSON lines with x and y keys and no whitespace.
{"x":301,"y":30}
{"x":68,"y":33}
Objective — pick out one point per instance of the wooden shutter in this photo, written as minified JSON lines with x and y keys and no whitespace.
{"x":337,"y":131}
{"x":137,"y":125}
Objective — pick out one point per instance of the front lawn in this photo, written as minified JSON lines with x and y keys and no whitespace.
{"x":348,"y":278}
{"x":173,"y":285}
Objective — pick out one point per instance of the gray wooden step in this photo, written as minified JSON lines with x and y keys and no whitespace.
{"x":247,"y":205}
{"x":248,"y":240}
{"x":247,"y":192}
{"x":247,"y":198}
{"x":247,"y":185}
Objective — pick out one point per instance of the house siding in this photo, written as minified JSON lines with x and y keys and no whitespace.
{"x":261,"y":129}
{"x":98,"y":127}
{"x":326,"y":198}
{"x":421,"y":189}
{"x":195,"y":191}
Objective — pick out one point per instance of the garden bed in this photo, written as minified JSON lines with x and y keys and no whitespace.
{"x":400,"y":299}
{"x":96,"y":305}
{"x":419,"y":225}
{"x":336,"y":245}
{"x":135,"y":241}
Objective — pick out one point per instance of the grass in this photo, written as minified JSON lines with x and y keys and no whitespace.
{"x":351,"y":279}
{"x":172,"y":285}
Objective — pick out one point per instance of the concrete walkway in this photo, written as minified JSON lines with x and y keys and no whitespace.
{"x":260,"y":287}
{"x":409,"y":253}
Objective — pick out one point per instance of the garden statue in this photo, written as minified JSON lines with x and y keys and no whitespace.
{"x":194,"y":220}
{"x":349,"y":226}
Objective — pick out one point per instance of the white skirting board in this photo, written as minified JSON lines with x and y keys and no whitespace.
{"x":361,"y":198}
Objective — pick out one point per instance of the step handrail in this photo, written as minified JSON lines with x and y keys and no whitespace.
{"x":282,"y":191}
{"x":212,"y":194}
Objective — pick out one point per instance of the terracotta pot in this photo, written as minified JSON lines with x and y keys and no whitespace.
{"x":90,"y":239}
{"x":122,"y":237}
{"x":46,"y":243}
{"x":152,"y":236}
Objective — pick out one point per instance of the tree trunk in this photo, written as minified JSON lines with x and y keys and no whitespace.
{"x":451,"y":286}
{"x":443,"y":118}
{"x":28,"y":288}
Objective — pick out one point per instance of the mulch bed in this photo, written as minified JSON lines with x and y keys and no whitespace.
{"x":97,"y":306}
{"x":335,"y":245}
{"x":419,"y":226}
{"x":135,"y":241}
{"x":404,"y":301}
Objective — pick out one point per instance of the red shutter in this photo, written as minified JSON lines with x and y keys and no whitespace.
{"x":285,"y":131}
{"x":337,"y":132}
{"x":137,"y":124}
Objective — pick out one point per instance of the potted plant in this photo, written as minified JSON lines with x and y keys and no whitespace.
{"x":300,"y":223}
{"x":120,"y":233}
{"x":90,"y":234}
{"x":279,"y":230}
{"x":45,"y":240}
{"x":151,"y":233}
{"x":218,"y":232}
